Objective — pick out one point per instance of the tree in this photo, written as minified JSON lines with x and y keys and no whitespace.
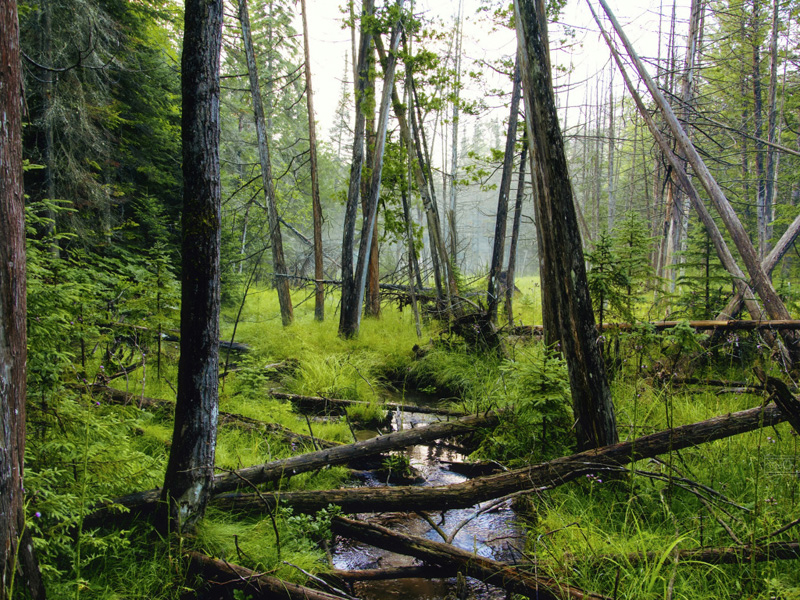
{"x":278,"y":260}
{"x":15,"y":543}
{"x":564,"y":278}
{"x":190,"y":469}
{"x":319,"y":290}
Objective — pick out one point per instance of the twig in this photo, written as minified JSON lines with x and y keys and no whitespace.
{"x":322,"y":582}
{"x":786,"y":527}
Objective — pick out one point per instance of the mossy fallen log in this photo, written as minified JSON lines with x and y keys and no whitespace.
{"x":485,"y":569}
{"x":537,"y":477}
{"x":338,"y":405}
{"x":226,"y":575}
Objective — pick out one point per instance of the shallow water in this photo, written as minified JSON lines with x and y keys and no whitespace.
{"x":494,"y":534}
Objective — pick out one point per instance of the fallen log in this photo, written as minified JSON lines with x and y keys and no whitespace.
{"x":730,"y":325}
{"x":338,"y":405}
{"x":273,"y":471}
{"x":416,"y":572}
{"x":226,"y":575}
{"x":542,"y":476}
{"x":485,"y":569}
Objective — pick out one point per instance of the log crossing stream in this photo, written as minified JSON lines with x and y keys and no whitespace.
{"x":493,"y":534}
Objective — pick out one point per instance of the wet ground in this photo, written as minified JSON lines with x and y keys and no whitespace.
{"x":494,"y":534}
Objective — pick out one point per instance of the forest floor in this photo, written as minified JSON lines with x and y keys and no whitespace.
{"x":735,"y":491}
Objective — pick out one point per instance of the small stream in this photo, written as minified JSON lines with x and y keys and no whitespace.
{"x":494,"y":534}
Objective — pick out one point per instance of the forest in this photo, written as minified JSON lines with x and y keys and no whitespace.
{"x":507,"y":306}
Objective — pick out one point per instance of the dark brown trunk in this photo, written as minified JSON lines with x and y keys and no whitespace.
{"x":190,"y":469}
{"x":16,"y":547}
{"x":512,"y":248}
{"x":319,"y":290}
{"x":228,"y":576}
{"x":538,"y":477}
{"x":561,"y":248}
{"x":348,"y":313}
{"x":470,"y":564}
{"x":498,"y":249}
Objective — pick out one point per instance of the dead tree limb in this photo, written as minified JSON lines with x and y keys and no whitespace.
{"x":338,"y":405}
{"x":537,"y":477}
{"x":487,"y":570}
{"x":311,"y":461}
{"x":783,"y":397}
{"x":772,"y":303}
{"x":231,"y":576}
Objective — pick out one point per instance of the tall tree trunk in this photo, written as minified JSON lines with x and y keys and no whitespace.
{"x":16,"y":547}
{"x":372,"y":307}
{"x":772,"y":130}
{"x":451,"y":213}
{"x":351,"y":326}
{"x":612,"y":200}
{"x":319,"y":290}
{"x":772,"y":303}
{"x":512,"y":247}
{"x":758,"y":121}
{"x":498,"y":249}
{"x":190,"y":469}
{"x":565,"y":282}
{"x":278,"y":261}
{"x":349,"y":306}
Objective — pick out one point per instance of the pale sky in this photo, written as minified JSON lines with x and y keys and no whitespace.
{"x":587,"y":54}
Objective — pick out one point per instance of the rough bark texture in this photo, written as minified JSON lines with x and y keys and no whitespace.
{"x":276,"y":241}
{"x":16,"y":549}
{"x":512,"y":248}
{"x":542,"y":476}
{"x":302,"y":463}
{"x":487,"y":570}
{"x":233,"y":577}
{"x":349,"y":307}
{"x":190,"y":469}
{"x":319,"y":290}
{"x":561,"y":249}
{"x":324,"y":405}
{"x":498,"y":249}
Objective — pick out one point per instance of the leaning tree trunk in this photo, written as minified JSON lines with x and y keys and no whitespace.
{"x":349,"y":308}
{"x":498,"y":249}
{"x":190,"y":469}
{"x":319,"y":290}
{"x":565,"y":278}
{"x":16,"y":548}
{"x":278,"y":261}
{"x":772,"y":303}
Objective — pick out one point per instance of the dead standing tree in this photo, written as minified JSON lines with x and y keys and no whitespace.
{"x":565,"y":290}
{"x":773,"y":305}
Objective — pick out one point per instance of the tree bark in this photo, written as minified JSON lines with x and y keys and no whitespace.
{"x":537,"y":477}
{"x":336,"y":404}
{"x":352,"y":324}
{"x":319,"y":290}
{"x":679,"y":173}
{"x":229,"y":576}
{"x":16,"y":548}
{"x":772,"y":303}
{"x":273,"y":471}
{"x":278,"y":260}
{"x":445,"y":555}
{"x":498,"y":248}
{"x":561,"y":249}
{"x":190,"y":468}
{"x":512,"y":247}
{"x":348,"y":312}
